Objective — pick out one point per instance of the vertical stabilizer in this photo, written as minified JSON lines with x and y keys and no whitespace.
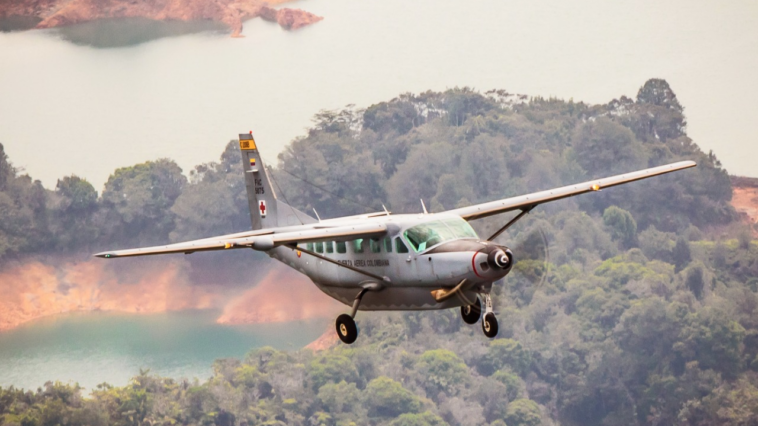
{"x":265,"y":210}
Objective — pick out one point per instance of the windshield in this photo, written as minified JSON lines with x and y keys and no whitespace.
{"x":426,"y":235}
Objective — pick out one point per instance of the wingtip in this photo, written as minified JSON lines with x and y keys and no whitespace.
{"x":104,"y":255}
{"x":686,"y":164}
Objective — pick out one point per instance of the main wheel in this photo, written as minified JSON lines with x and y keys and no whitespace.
{"x":471,"y":313}
{"x":489,"y":325}
{"x":346,"y":329}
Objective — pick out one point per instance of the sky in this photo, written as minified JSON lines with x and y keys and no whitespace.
{"x":68,"y":109}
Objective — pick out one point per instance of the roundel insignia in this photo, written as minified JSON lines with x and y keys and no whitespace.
{"x":299,"y":253}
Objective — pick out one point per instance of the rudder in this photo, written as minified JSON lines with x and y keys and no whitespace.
{"x":266,"y":211}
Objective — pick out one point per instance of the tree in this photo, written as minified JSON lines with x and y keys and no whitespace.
{"x":681,"y":253}
{"x":622,"y":225}
{"x":744,"y":239}
{"x":504,"y":353}
{"x":442,"y":371}
{"x":603,"y":146}
{"x":419,"y":177}
{"x":80,"y":196}
{"x":714,"y":340}
{"x":398,"y":116}
{"x":204,"y":209}
{"x":523,"y":412}
{"x":694,"y":281}
{"x":387,"y":398}
{"x":74,"y":217}
{"x":339,"y":397}
{"x":331,"y":369}
{"x":138,"y":200}
{"x":423,"y":419}
{"x":656,"y":244}
{"x":657,"y":92}
{"x":7,"y":172}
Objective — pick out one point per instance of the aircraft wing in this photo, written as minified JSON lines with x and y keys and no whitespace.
{"x":263,"y":241}
{"x":525,"y":202}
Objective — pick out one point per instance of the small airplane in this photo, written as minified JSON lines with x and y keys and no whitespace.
{"x":384,"y":261}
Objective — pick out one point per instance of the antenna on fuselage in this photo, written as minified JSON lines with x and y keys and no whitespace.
{"x":317,"y":216}
{"x":423,"y":206}
{"x":385,"y":209}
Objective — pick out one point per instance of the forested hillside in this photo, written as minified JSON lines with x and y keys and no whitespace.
{"x":634,"y":305}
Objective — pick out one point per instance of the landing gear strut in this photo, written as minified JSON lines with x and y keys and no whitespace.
{"x":489,"y":322}
{"x":346,"y":328}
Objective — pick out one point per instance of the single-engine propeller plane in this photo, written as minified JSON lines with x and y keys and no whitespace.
{"x":384,"y":261}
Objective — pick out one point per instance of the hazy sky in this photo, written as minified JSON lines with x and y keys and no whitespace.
{"x":68,"y":109}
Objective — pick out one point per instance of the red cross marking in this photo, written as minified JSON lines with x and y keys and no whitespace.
{"x":262,"y":207}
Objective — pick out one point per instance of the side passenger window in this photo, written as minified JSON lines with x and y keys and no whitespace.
{"x":329,"y":246}
{"x":388,"y":245}
{"x":358,"y":246}
{"x":374,"y":245}
{"x":319,"y":247}
{"x":400,"y":246}
{"x":341,"y":247}
{"x":309,"y":246}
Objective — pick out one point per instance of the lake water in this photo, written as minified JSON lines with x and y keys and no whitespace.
{"x":93,"y":348}
{"x":66,"y":108}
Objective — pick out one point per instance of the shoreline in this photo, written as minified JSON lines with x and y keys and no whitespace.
{"x":63,"y":14}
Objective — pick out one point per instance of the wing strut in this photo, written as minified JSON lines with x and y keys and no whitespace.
{"x":524,"y":211}
{"x":352,"y":268}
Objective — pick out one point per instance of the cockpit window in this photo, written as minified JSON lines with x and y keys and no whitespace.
{"x":426,"y":235}
{"x":461,"y":228}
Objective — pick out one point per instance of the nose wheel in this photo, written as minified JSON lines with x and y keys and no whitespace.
{"x":489,"y":322}
{"x":489,"y":325}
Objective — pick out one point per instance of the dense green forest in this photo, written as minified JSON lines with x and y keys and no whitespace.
{"x":634,"y":305}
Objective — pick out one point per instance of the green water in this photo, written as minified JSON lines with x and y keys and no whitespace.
{"x":98,"y":347}
{"x":123,"y":32}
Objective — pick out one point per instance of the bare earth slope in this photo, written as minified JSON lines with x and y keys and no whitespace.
{"x":745,"y":199}
{"x":40,"y":288}
{"x":56,"y":13}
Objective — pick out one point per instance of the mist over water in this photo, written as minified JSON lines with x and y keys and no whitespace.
{"x":76,"y":109}
{"x":92,"y":348}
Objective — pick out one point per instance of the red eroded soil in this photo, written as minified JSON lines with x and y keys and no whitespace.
{"x":325,"y":341}
{"x":745,"y":201}
{"x":283,"y":295}
{"x":34,"y":290}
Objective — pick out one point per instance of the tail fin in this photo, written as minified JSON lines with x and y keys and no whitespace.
{"x":266,"y":211}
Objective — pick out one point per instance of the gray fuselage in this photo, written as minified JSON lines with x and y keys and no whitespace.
{"x":412,"y":268}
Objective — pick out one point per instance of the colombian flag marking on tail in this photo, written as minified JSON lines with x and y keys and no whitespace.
{"x":252,"y":162}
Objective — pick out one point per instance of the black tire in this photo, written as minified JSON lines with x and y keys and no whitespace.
{"x":471,"y":313}
{"x":489,"y":325}
{"x":346,"y":329}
